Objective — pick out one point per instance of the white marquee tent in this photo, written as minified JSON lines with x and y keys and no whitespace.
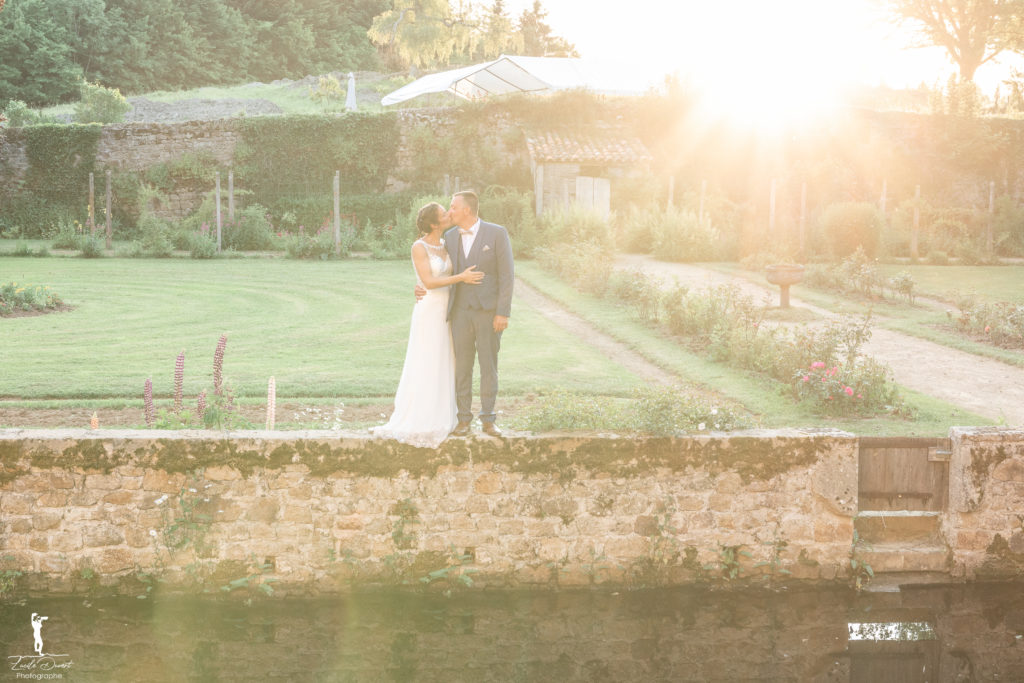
{"x":511,"y":74}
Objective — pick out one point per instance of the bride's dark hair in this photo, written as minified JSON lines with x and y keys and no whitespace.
{"x":428,"y":217}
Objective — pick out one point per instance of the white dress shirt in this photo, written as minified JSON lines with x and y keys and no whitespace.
{"x":468,"y":238}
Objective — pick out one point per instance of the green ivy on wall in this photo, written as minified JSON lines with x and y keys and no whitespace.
{"x":60,"y":159}
{"x":294,"y":156}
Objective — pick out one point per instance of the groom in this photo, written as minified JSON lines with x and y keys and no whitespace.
{"x":478,"y":313}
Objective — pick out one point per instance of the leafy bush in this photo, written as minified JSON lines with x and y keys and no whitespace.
{"x":937,"y":258}
{"x":15,"y":298}
{"x":19,"y":114}
{"x":201,"y":246}
{"x":155,"y":237}
{"x":632,"y":287}
{"x":575,"y":225}
{"x":655,"y":411}
{"x":250,"y":231}
{"x":514,"y":210}
{"x":100,"y":105}
{"x":679,"y":236}
{"x":316,"y":246}
{"x":859,"y":275}
{"x":586,"y":266}
{"x":91,"y":246}
{"x":850,"y":225}
{"x":999,"y":322}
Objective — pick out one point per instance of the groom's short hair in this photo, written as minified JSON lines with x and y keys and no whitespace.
{"x":472,"y":201}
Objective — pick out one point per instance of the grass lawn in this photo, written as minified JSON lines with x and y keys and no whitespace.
{"x":322,"y":329}
{"x":761,"y":396}
{"x":990,"y":283}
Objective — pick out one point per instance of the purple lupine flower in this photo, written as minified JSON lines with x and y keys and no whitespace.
{"x":218,"y":365}
{"x":179,"y":380}
{"x":271,"y":403}
{"x":201,"y":404}
{"x":147,"y":401}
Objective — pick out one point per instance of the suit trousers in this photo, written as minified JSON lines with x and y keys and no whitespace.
{"x":473,"y":336}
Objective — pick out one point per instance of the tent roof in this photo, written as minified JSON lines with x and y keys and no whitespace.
{"x":509,"y":74}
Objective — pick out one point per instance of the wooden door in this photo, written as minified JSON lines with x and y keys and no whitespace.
{"x":905,"y":473}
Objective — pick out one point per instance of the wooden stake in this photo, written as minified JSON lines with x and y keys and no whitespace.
{"x":447,"y":185}
{"x":989,"y":238}
{"x":337,"y":213}
{"x":231,"y":195}
{"x":803,"y":216}
{"x":217,"y":201}
{"x":700,"y":212}
{"x":458,"y":183}
{"x":917,"y":223}
{"x":92,"y":206}
{"x":110,"y":232}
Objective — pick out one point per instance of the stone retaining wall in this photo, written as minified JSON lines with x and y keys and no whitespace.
{"x":319,"y":513}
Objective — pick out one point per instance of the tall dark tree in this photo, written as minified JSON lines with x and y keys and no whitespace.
{"x":36,"y":65}
{"x":498,"y":34}
{"x":537,"y":38}
{"x":971,"y":31}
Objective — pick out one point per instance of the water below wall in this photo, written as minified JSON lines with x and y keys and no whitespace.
{"x":953,"y":633}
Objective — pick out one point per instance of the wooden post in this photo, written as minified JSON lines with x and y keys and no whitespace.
{"x":917,"y":223}
{"x":771,"y":211}
{"x":92,"y":206}
{"x":231,"y":195}
{"x":565,"y":193}
{"x":881,"y":203}
{"x":110,"y":232}
{"x":700,"y":212}
{"x":337,"y":213}
{"x":989,"y":240}
{"x":217,"y":200}
{"x":803,"y":216}
{"x":447,"y":185}
{"x":671,"y":189}
{"x":458,"y":184}
{"x":538,"y":189}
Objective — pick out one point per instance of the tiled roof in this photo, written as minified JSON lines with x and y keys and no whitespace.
{"x":594,"y":147}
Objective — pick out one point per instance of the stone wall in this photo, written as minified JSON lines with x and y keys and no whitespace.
{"x":985,"y":523}
{"x":320,"y":513}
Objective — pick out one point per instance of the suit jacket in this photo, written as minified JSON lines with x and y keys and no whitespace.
{"x":492,"y":256}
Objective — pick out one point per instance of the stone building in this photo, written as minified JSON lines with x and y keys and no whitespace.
{"x":580,"y":166}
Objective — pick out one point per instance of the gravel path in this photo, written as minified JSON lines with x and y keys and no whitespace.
{"x":983,"y":386}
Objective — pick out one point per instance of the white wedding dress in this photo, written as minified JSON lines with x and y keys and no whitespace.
{"x":425,"y":411}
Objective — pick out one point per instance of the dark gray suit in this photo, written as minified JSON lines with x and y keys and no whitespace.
{"x":471,"y":310}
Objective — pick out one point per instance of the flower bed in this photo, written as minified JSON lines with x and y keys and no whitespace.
{"x":18,"y":299}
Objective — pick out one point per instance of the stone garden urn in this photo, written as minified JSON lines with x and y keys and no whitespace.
{"x":784,"y":275}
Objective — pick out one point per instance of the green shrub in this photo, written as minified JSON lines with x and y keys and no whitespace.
{"x":937,"y":258}
{"x":1000,"y":322}
{"x":317,"y":246}
{"x":201,"y":246}
{"x":100,"y":105}
{"x":155,"y":237}
{"x":679,"y":236}
{"x":19,"y":114}
{"x":91,"y":246}
{"x":633,"y":287}
{"x":586,"y":266}
{"x":575,"y":225}
{"x":850,"y":225}
{"x":514,"y":210}
{"x":250,"y":231}
{"x":17,"y":298}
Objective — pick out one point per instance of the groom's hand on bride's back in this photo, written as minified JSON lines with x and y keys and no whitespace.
{"x":420,"y":292}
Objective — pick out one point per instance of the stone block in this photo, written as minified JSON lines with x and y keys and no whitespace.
{"x":718,"y":502}
{"x":21,"y":525}
{"x":102,"y":535}
{"x":84,"y":498}
{"x":477,"y":505}
{"x":119,"y":498}
{"x":52,"y":499}
{"x":61,"y":480}
{"x":833,"y":530}
{"x":295,"y":513}
{"x":66,"y":542}
{"x":115,"y":560}
{"x":627,"y":547}
{"x":646,"y":525}
{"x":41,"y":521}
{"x":1010,"y":470}
{"x":263,"y":510}
{"x":349,"y":522}
{"x":163,"y":482}
{"x":728,"y":482}
{"x":17,"y":504}
{"x":974,"y":540}
{"x":487,"y":483}
{"x":552,"y":549}
{"x":103,"y":482}
{"x":513,"y":527}
{"x":39,"y":543}
{"x":691,"y":502}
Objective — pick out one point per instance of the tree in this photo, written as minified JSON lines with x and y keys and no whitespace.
{"x":537,"y":39}
{"x":498,"y":35}
{"x":424,"y":32}
{"x":971,"y":31}
{"x":36,"y":67}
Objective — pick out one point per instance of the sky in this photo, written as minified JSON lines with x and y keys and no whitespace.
{"x":778,"y":46}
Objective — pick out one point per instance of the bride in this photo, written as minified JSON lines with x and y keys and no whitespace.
{"x":425,"y":410}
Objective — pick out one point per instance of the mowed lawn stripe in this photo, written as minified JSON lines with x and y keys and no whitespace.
{"x":320,"y":328}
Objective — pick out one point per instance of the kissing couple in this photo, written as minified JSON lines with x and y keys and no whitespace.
{"x":457,"y":318}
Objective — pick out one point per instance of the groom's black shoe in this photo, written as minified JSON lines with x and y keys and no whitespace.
{"x":490,"y":429}
{"x":461,"y":429}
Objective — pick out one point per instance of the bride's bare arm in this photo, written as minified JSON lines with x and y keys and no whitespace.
{"x":421,"y":261}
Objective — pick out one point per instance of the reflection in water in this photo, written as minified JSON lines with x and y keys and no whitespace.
{"x":928,"y":634}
